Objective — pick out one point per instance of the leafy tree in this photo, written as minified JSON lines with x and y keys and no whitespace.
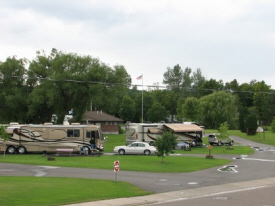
{"x":168,"y":99}
{"x":173,"y":77}
{"x":4,"y":136}
{"x":13,"y":90}
{"x":232,"y":86}
{"x":71,"y":81}
{"x":179,"y":109}
{"x":190,"y":108}
{"x":127,"y":109}
{"x":260,"y":97}
{"x":223,"y":129}
{"x":165,"y":144}
{"x":217,"y":108}
{"x":273,"y":125}
{"x":148,"y":101}
{"x":246,"y":95}
{"x":187,"y":79}
{"x":210,"y":86}
{"x":251,"y":124}
{"x":197,"y":82}
{"x":242,"y":117}
{"x":157,"y":113}
{"x":267,"y":110}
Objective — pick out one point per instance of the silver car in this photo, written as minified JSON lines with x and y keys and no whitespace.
{"x":182,"y":145}
{"x":136,"y":148}
{"x":214,"y":140}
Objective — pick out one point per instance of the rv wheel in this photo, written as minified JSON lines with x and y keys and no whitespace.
{"x":21,"y":150}
{"x":10,"y":150}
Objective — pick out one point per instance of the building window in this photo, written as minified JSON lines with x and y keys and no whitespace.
{"x":115,"y":123}
{"x":106,"y":123}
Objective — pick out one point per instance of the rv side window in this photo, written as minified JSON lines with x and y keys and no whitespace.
{"x":88,"y":134}
{"x":73,"y":133}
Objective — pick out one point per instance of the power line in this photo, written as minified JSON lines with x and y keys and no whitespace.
{"x":135,"y":85}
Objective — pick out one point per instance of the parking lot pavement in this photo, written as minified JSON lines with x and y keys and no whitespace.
{"x":188,"y":195}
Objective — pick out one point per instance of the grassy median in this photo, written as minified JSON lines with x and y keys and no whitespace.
{"x":171,"y":164}
{"x":33,"y":191}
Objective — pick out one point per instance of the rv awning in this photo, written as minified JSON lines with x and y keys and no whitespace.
{"x":184,"y":127}
{"x":153,"y":130}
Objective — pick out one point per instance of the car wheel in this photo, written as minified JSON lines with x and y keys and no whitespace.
{"x":121,"y":151}
{"x":151,"y":143}
{"x":219,"y":143}
{"x":147,"y":152}
{"x":10,"y":150}
{"x":232,"y":142}
{"x":21,"y":150}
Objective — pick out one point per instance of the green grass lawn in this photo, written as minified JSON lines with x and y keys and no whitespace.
{"x":266,"y":138}
{"x":171,"y":164}
{"x":33,"y":191}
{"x":113,"y":140}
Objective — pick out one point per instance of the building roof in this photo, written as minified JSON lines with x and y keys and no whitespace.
{"x":99,"y":116}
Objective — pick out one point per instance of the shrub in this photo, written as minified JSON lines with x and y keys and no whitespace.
{"x":273,"y":125}
{"x":251,"y":124}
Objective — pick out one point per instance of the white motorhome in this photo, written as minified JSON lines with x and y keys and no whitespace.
{"x":149,"y":132}
{"x":48,"y":138}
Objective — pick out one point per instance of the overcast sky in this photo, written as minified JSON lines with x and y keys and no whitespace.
{"x":226,"y":39}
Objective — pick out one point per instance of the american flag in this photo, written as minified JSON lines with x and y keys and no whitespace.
{"x":140,"y":77}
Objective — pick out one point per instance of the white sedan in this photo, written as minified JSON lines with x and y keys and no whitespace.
{"x":135,"y":148}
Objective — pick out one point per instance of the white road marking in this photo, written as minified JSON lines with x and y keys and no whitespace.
{"x":49,"y":167}
{"x":228,"y":168}
{"x":6,"y":170}
{"x":193,"y":183}
{"x":39,"y":173}
{"x":262,"y":160}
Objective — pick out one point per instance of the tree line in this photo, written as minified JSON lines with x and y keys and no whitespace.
{"x":54,"y":83}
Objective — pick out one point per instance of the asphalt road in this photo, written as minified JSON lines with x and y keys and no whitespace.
{"x":259,"y":165}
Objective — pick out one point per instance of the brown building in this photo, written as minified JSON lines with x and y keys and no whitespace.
{"x":107,"y":122}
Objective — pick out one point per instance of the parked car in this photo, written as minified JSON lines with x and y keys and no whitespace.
{"x":136,"y":148}
{"x":214,"y":140}
{"x":182,"y":145}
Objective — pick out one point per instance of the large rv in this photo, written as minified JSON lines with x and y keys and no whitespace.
{"x":144,"y":132}
{"x":48,"y":138}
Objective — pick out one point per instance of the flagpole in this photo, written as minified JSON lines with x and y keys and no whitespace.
{"x":138,"y":78}
{"x":142,"y":100}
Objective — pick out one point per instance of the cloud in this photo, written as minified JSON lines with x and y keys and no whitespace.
{"x":226,"y":39}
